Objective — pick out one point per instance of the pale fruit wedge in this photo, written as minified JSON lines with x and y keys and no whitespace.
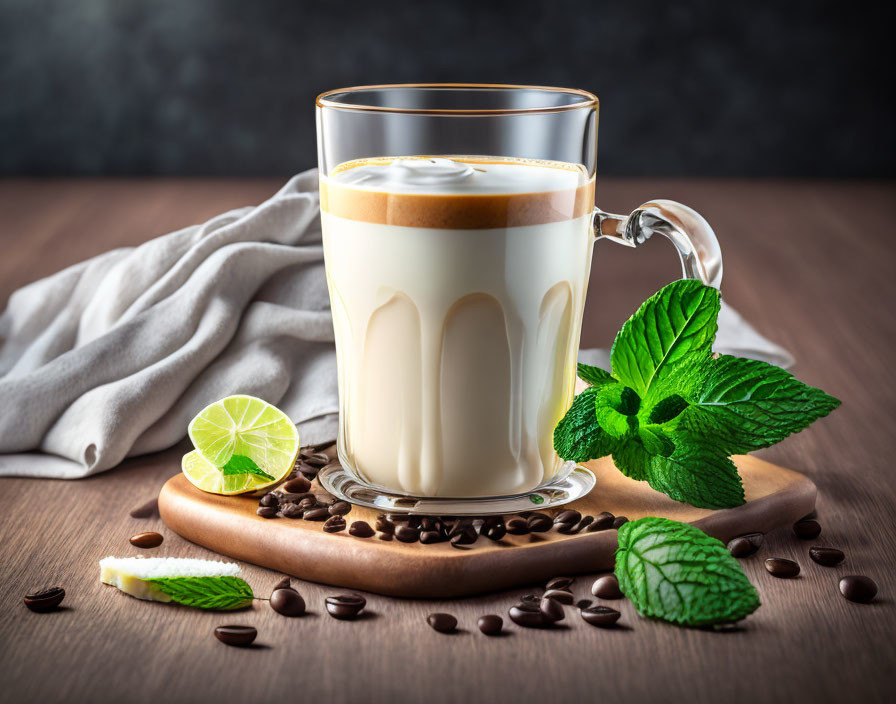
{"x":232,"y":429}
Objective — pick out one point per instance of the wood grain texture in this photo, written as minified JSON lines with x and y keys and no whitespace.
{"x":809,"y":263}
{"x":229,"y":525}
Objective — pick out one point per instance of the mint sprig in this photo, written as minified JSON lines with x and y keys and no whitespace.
{"x":672,"y":413}
{"x":217,"y":593}
{"x":675,"y":572}
{"x":239,"y":464}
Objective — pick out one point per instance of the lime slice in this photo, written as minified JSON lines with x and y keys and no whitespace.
{"x":240,"y":432}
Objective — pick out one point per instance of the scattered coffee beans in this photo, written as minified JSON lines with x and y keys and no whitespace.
{"x":745,"y":545}
{"x":807,"y":529}
{"x":491,"y":624}
{"x":317,"y":514}
{"x":602,"y":521}
{"x":443,"y":623}
{"x":560,"y":595}
{"x":406,"y":533}
{"x":552,"y":609}
{"x":267,"y":511}
{"x":428,"y":537}
{"x":288,"y":602}
{"x":292,"y":511}
{"x":581,"y":525}
{"x":236,"y":635}
{"x":45,"y":600}
{"x":269,"y":499}
{"x":146,"y":540}
{"x":780,"y":567}
{"x":384,"y":525}
{"x":539,"y":523}
{"x":528,"y":616}
{"x":517,"y":526}
{"x":569,"y":516}
{"x":826,"y":556}
{"x":345,"y":606}
{"x":146,"y":510}
{"x":858,"y":588}
{"x":340,"y":508}
{"x":606,"y":587}
{"x":361,"y":529}
{"x":601,"y":616}
{"x":494,"y":529}
{"x":560,"y":583}
{"x":334,"y":524}
{"x":317,"y":459}
{"x":618,"y":521}
{"x":299,"y":485}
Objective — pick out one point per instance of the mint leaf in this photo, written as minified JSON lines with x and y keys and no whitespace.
{"x":672,"y":331}
{"x":656,"y":440}
{"x":594,"y":375}
{"x":616,"y":409}
{"x":218,"y":593}
{"x":578,"y":437}
{"x":675,"y":572}
{"x":239,"y":464}
{"x":751,"y":404}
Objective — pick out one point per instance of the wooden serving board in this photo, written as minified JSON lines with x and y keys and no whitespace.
{"x":230,"y":526}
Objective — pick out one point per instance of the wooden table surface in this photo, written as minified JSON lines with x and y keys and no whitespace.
{"x":811,"y":264}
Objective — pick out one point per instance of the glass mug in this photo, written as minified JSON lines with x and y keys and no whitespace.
{"x":458,"y":225}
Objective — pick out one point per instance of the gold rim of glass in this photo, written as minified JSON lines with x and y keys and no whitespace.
{"x":588,"y":99}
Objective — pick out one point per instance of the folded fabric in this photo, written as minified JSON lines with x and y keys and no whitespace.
{"x":112,"y":357}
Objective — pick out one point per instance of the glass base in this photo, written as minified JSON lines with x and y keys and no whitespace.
{"x":571,"y":483}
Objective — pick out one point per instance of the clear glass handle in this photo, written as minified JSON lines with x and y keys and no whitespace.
{"x":696,"y":243}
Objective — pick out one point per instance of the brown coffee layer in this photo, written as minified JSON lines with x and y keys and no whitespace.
{"x":456,"y":211}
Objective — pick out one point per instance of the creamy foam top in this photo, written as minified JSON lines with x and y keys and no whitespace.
{"x":440,"y":175}
{"x":459,"y":193}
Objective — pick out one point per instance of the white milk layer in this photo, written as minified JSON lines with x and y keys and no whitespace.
{"x":456,"y":348}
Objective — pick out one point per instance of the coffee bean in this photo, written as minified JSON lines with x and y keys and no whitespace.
{"x":266,"y":511}
{"x":282,"y":584}
{"x":236,"y":635}
{"x":292,"y":511}
{"x":45,"y":599}
{"x":384,"y":525}
{"x":334,"y":524}
{"x":601,"y":616}
{"x":530,"y":600}
{"x":561,"y":595}
{"x":340,"y":508}
{"x":317,"y":514}
{"x":406,"y":533}
{"x":560,"y":583}
{"x":287,"y":602}
{"x":517,"y":526}
{"x":619,"y":521}
{"x":779,"y":567}
{"x":299,"y":485}
{"x":467,"y":536}
{"x":826,"y":556}
{"x":527,"y":617}
{"x":552,"y":609}
{"x":443,"y":623}
{"x":745,"y":545}
{"x":294,"y":498}
{"x":269,"y":499}
{"x":146,"y":540}
{"x":146,"y":510}
{"x":491,"y":624}
{"x":427,"y":537}
{"x":361,"y":529}
{"x":858,"y":588}
{"x":539,"y":523}
{"x":495,"y":531}
{"x":459,"y":526}
{"x":807,"y":529}
{"x":384,"y":536}
{"x":602,"y":521}
{"x":308,"y":502}
{"x":569,"y":516}
{"x":582,"y":525}
{"x":345,"y":606}
{"x":317,"y":459}
{"x":606,"y":587}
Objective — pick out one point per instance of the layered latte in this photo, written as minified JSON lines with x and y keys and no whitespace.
{"x":457,"y":286}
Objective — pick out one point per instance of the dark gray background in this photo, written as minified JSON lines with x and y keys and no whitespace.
{"x":227,"y":87}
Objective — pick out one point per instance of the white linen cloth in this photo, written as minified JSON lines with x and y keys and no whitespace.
{"x":112,"y":357}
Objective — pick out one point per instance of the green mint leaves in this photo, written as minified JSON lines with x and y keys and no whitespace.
{"x":218,"y":593}
{"x":239,"y":464}
{"x":671,"y":414}
{"x":675,"y":572}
